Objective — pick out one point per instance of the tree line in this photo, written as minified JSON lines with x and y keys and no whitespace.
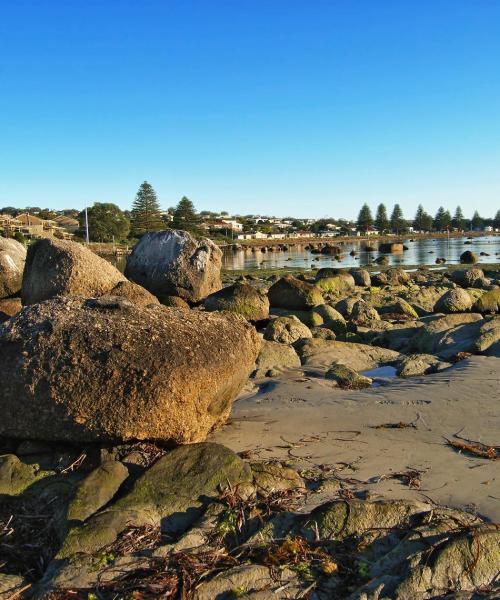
{"x":423,"y":221}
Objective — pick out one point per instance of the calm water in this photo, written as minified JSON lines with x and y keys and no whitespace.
{"x":420,"y":252}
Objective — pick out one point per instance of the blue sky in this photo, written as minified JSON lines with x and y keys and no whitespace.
{"x":307,"y":107}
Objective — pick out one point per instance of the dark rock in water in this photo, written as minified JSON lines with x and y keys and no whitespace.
{"x":390,"y":248}
{"x":63,"y":268}
{"x":468,"y":242}
{"x":352,"y":253}
{"x":105,"y":370}
{"x":242,"y":299}
{"x":368,"y":248}
{"x":331,"y":250}
{"x":290,"y":292}
{"x":174,"y":263}
{"x":9,"y":307}
{"x":483,"y":254}
{"x":382,"y":260}
{"x":468,"y":257}
{"x":12,"y":259}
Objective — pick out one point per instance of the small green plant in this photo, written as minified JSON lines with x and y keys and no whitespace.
{"x":102,"y":560}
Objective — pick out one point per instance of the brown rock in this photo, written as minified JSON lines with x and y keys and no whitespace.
{"x":63,"y":268}
{"x":107,"y":370}
{"x":9,"y":307}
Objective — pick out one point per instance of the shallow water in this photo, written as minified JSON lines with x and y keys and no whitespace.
{"x":420,"y":252}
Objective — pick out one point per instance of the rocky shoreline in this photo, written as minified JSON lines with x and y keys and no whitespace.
{"x":111,"y":386}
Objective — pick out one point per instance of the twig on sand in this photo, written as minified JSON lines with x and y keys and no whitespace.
{"x":399,"y":425}
{"x":459,"y":437}
{"x":476,"y":449}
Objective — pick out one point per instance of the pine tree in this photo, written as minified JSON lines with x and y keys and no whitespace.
{"x":458,"y":220}
{"x":426,"y":222}
{"x":365,"y":219}
{"x":496,"y":220}
{"x":397,"y":220}
{"x":477,"y":221}
{"x":418,"y":221}
{"x":439,"y":219}
{"x":145,"y":215}
{"x":185,"y":216}
{"x":381,"y":219}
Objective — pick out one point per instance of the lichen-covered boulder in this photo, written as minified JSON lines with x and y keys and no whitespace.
{"x":289,"y":292}
{"x":174,"y":263}
{"x":325,"y":315}
{"x":473,"y":277}
{"x":489,"y":302}
{"x":242,"y":299}
{"x":362,"y":312}
{"x":397,"y":276}
{"x":343,"y":282}
{"x":286,"y":330}
{"x":12,"y":259}
{"x":454,"y":301}
{"x":62,"y":268}
{"x":105,"y":370}
{"x":173,"y":493}
{"x":347,"y":378}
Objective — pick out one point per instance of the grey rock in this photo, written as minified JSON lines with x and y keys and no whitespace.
{"x":174,"y":263}
{"x":12,"y":259}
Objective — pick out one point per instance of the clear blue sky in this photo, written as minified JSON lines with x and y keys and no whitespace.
{"x":306,"y":107}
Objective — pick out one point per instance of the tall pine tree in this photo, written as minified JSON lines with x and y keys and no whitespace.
{"x":365,"y":219}
{"x":477,"y":221}
{"x":458,"y":220}
{"x":419,"y":220}
{"x":496,"y":220}
{"x":381,"y":218}
{"x":145,"y":215}
{"x":185,"y":216}
{"x":442,"y":220}
{"x":397,"y":220}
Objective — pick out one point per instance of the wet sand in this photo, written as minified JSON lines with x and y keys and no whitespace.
{"x":303,"y":418}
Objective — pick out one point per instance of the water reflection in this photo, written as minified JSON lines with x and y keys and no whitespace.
{"x":420,"y":252}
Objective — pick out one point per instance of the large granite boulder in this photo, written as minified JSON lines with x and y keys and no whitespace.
{"x":242,"y":299}
{"x":454,"y":301}
{"x":286,"y":330}
{"x":338,"y":284}
{"x":292,"y":293}
{"x":63,"y":268}
{"x":105,"y":369}
{"x":12,"y":259}
{"x":174,"y":263}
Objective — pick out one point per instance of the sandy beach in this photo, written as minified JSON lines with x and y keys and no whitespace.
{"x":302,"y":418}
